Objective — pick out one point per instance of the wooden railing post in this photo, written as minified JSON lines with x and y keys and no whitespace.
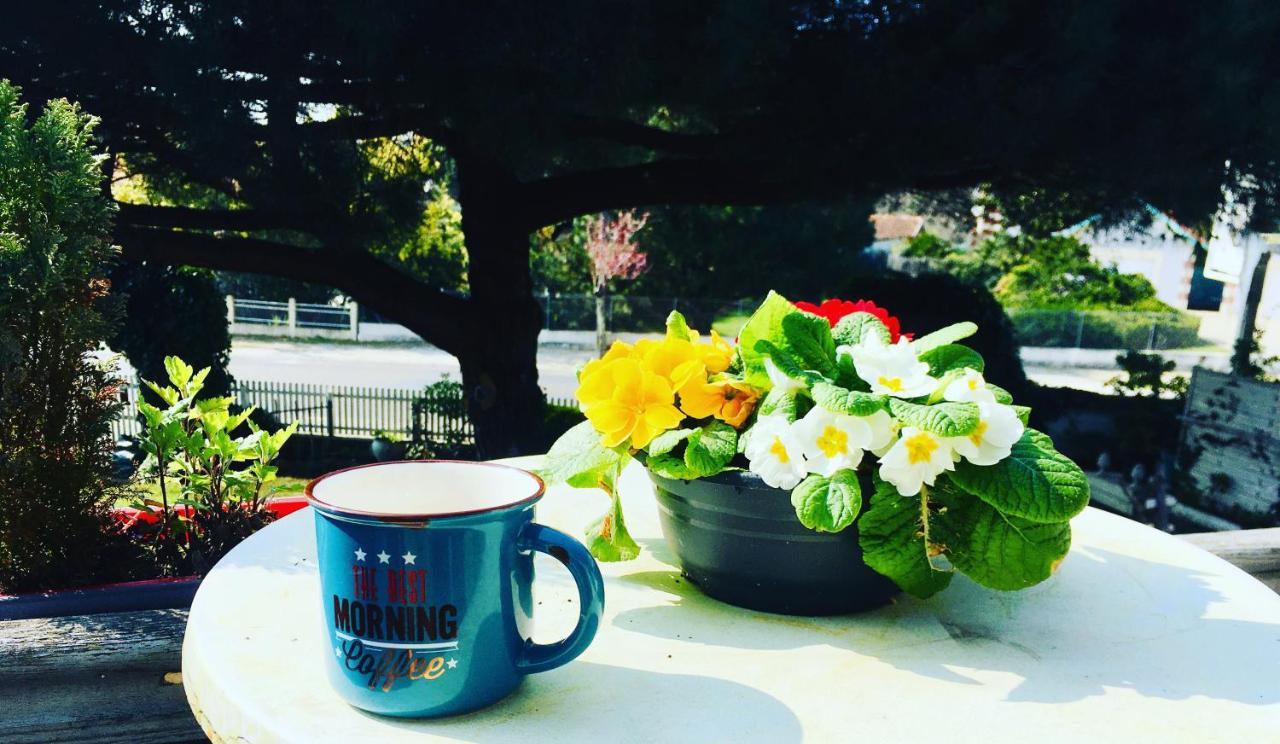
{"x":293,"y":317}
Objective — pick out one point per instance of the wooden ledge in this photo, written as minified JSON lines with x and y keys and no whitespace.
{"x":1255,"y":551}
{"x":95,"y":678}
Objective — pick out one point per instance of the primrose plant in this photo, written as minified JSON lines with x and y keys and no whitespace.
{"x":861,"y":425}
{"x":211,"y":484}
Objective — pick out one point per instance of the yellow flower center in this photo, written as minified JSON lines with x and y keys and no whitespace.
{"x":920,"y":448}
{"x":833,"y":442}
{"x":779,"y":450}
{"x":893,"y":383}
{"x":976,"y":436}
{"x":973,"y":383}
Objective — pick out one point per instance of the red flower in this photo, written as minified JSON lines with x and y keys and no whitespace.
{"x":834,"y":310}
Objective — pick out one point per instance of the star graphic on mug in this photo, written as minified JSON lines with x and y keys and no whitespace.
{"x":409,"y":558}
{"x":453,"y":663}
{"x":384,"y":557}
{"x":360,"y":554}
{"x":337,"y":652}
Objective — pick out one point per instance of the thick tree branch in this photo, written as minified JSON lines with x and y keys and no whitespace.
{"x":706,"y":181}
{"x":626,"y":132}
{"x":212,"y":219}
{"x":438,"y":317}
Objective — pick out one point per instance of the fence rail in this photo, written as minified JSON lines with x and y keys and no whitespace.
{"x":1105,"y":329}
{"x":292,"y":317}
{"x":343,"y":411}
{"x":635,"y":313}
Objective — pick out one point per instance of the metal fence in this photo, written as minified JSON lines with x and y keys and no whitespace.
{"x":343,"y":411}
{"x":263,"y":316}
{"x":1105,"y":329}
{"x":633,"y":313}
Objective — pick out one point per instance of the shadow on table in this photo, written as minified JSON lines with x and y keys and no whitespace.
{"x":1106,"y":620}
{"x":585,"y":701}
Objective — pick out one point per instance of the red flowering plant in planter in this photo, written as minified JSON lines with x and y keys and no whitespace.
{"x":859,"y":425}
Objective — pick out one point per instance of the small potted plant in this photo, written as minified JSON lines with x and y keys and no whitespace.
{"x":388,"y":446}
{"x":824,"y":462}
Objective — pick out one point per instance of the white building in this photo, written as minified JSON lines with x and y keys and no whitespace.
{"x":1173,"y":257}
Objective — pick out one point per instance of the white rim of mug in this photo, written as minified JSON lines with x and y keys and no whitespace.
{"x":420,"y":518}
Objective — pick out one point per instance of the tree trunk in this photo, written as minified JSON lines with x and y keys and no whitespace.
{"x":602,"y":321}
{"x":1241,"y":359}
{"x":500,"y":353}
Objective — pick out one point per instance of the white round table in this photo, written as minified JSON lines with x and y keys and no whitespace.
{"x":1138,"y":637}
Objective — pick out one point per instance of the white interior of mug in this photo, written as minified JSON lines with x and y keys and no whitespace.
{"x":427,"y":488}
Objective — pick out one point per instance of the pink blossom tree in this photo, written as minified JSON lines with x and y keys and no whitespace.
{"x":614,"y":256}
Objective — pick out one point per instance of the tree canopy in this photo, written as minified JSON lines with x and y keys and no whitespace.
{"x":550,"y":111}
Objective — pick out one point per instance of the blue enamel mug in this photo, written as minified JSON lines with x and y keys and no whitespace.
{"x":426,"y":579}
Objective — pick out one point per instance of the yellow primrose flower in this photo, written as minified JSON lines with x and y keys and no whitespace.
{"x":622,"y":399}
{"x":676,"y":359}
{"x":717,"y":354}
{"x":731,"y":402}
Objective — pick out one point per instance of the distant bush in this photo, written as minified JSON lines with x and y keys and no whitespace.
{"x":173,"y":311}
{"x":928,"y":245}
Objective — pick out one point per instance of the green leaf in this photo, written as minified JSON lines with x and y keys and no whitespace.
{"x":607,"y":537}
{"x":852,"y":402}
{"x":779,"y":402}
{"x":1023,"y":413}
{"x":764,"y":325}
{"x":943,"y":359}
{"x":669,"y":466}
{"x":1034,"y":482}
{"x":997,"y":550}
{"x":852,"y":328}
{"x":1002,"y":396}
{"x":889,"y":533}
{"x":943,"y":419}
{"x":667,"y":441}
{"x":179,"y":371}
{"x":150,"y":413}
{"x":949,"y":335}
{"x":166,"y":394}
{"x":808,"y":338}
{"x":787,"y":364}
{"x":828,"y":504}
{"x":580,"y":459}
{"x":678,"y":327}
{"x":710,"y":448}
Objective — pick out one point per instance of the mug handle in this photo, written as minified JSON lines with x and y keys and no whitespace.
{"x":541,"y":657}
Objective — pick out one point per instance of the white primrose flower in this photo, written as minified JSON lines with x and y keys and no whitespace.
{"x":779,"y":380}
{"x":775,"y":454}
{"x":890,"y":369}
{"x":969,"y":388}
{"x":915,"y":460}
{"x":831,"y":441}
{"x":883,"y":429}
{"x":998,"y":430}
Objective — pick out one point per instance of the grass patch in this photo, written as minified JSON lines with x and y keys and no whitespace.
{"x":730,"y":325}
{"x":150,"y":489}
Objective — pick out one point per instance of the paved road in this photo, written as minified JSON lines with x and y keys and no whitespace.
{"x":414,"y":366}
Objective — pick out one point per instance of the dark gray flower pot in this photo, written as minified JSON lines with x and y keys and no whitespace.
{"x":740,"y":542}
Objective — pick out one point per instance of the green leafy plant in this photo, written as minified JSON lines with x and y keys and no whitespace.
{"x":56,"y":402}
{"x":213,"y":484}
{"x":866,"y":428}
